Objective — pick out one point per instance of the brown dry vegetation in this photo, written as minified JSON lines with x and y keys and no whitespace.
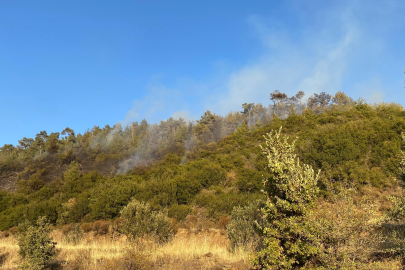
{"x":188,"y":250}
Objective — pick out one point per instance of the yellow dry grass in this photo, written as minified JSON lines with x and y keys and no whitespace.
{"x":8,"y":252}
{"x":186,"y":246}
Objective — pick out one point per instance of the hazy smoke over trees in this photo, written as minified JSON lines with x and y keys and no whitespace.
{"x":142,"y":143}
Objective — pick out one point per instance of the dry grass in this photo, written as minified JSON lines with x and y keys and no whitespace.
{"x":8,"y":252}
{"x":205,"y":250}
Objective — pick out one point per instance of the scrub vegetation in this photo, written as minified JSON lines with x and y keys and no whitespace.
{"x":293,"y":185}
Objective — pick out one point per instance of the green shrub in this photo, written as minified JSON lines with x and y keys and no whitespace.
{"x":221,"y":204}
{"x":288,"y":241}
{"x":349,"y":236}
{"x":109,"y":198}
{"x":36,"y":247}
{"x":141,"y":220}
{"x":249,"y":180}
{"x":179,"y":212}
{"x":242,"y":227}
{"x":186,"y":189}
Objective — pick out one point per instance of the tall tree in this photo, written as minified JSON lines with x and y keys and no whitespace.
{"x":40,"y":140}
{"x":300,"y":95}
{"x":277,"y":97}
{"x":247,"y":107}
{"x":70,"y":134}
{"x":319,"y":101}
{"x":341,"y":99}
{"x":52,"y":143}
{"x":25,"y":142}
{"x":209,"y":123}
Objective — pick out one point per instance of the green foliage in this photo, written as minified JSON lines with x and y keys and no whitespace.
{"x":108,"y":198}
{"x":36,"y":247}
{"x":141,"y":220}
{"x":288,"y":242}
{"x":242,"y":227}
{"x":209,"y":167}
{"x":397,"y":212}
{"x":73,"y":172}
{"x":349,"y":233}
{"x":179,"y":212}
{"x":220,"y":202}
{"x":249,"y":180}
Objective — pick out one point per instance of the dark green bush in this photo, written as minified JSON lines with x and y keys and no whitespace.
{"x":36,"y":247}
{"x":186,"y":189}
{"x":142,"y":220}
{"x":249,"y":180}
{"x":179,"y":212}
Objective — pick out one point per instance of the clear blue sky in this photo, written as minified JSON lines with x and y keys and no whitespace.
{"x":83,"y":63}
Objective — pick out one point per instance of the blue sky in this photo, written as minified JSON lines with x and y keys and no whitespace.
{"x":83,"y":63}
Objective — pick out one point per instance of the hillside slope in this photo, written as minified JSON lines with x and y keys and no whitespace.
{"x":205,"y":168}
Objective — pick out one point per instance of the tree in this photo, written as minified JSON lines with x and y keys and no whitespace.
{"x":7,"y":148}
{"x":209,"y":125}
{"x":25,"y":142}
{"x":277,"y":97}
{"x":247,"y":107}
{"x":300,"y":95}
{"x":398,"y":211}
{"x":341,"y":99}
{"x":70,"y":134}
{"x":52,"y":143}
{"x":319,"y":101}
{"x":40,"y":140}
{"x":291,"y":192}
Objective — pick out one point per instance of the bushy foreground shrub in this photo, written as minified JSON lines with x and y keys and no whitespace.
{"x":343,"y":231}
{"x":349,"y":233}
{"x":36,"y":247}
{"x":288,"y":241}
{"x":141,"y":220}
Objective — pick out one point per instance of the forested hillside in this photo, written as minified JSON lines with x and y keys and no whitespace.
{"x":207,"y":167}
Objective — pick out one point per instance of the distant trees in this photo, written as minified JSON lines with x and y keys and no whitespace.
{"x":290,"y":103}
{"x":341,"y":99}
{"x":319,"y":101}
